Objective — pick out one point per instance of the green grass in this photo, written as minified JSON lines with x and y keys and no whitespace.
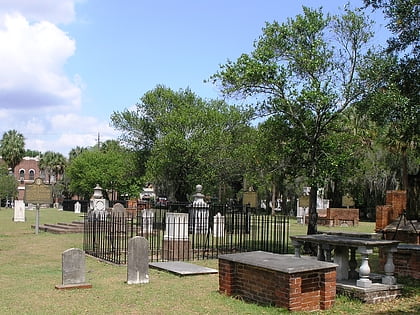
{"x":30,"y":267}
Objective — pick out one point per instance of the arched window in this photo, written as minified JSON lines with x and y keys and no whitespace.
{"x":21,"y":174}
{"x":31,"y":175}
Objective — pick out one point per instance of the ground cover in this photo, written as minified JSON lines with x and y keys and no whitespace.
{"x":30,"y":267}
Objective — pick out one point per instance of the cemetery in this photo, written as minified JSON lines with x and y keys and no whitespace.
{"x":235,"y":248}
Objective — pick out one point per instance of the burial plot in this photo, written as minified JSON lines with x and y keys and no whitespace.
{"x":138,"y":261}
{"x":73,"y":270}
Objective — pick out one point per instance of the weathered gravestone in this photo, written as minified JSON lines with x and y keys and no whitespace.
{"x":118,"y":210}
{"x":73,"y":270}
{"x":138,"y":260}
{"x":19,"y":214}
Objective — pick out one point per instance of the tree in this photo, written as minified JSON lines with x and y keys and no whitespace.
{"x":53,"y":164}
{"x":187,"y":140}
{"x":75,"y":152}
{"x":8,"y":184}
{"x":304,"y":72}
{"x":12,"y":148}
{"x":111,"y":169}
{"x":395,"y":76}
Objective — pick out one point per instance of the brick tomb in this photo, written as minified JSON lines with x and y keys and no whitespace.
{"x":297,"y":284}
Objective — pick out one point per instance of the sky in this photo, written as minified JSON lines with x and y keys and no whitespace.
{"x":66,"y":66}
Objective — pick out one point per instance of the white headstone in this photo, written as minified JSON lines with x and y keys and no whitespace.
{"x":218,"y":225}
{"x":147,"y":221}
{"x":138,"y":260}
{"x":19,"y":214}
{"x":77,"y":207}
{"x":176,"y":226}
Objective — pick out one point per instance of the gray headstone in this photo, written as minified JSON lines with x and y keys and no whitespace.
{"x":19,"y":214}
{"x":118,"y":209}
{"x":73,"y":265}
{"x":138,"y":260}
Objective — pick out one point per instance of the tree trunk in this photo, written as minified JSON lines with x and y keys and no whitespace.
{"x":313,"y":215}
{"x":404,"y":168}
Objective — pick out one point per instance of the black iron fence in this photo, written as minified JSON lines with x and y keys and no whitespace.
{"x":185,"y":233}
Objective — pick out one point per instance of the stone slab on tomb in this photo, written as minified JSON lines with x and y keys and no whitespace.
{"x":182,"y":268}
{"x":276,"y":262}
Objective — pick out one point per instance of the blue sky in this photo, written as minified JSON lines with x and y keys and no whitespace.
{"x":66,"y":66}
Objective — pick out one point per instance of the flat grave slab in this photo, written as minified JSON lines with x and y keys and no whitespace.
{"x":181,"y":268}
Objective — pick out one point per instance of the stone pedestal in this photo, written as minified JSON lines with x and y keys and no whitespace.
{"x":364,"y":270}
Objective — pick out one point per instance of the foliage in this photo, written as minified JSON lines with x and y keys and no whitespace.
{"x":110,"y":168}
{"x":187,"y":140}
{"x":75,"y":152}
{"x":53,"y":164}
{"x":8,"y":184}
{"x":12,"y":148}
{"x":304,"y":72}
{"x":394,"y":76}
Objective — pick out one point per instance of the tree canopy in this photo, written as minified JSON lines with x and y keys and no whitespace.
{"x":305,"y":72}
{"x":188,"y":140}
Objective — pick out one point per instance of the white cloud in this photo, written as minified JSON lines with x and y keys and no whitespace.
{"x":31,"y":71}
{"x":37,"y":97}
{"x":55,"y":11}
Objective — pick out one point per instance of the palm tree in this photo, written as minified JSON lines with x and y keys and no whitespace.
{"x":53,"y":164}
{"x":12,"y":148}
{"x":75,"y":152}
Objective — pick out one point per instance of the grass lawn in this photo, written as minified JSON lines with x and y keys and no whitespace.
{"x":30,"y":267}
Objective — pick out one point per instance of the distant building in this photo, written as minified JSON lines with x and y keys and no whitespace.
{"x":26,"y":172}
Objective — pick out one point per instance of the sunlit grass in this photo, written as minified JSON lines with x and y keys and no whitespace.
{"x":30,"y":267}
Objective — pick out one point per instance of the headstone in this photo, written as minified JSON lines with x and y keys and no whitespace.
{"x":347,"y":201}
{"x":118,"y":209}
{"x":19,"y":214}
{"x":218,"y":225}
{"x":77,"y":207}
{"x":147,"y":221}
{"x":73,"y":269}
{"x":176,"y":226}
{"x":138,"y":260}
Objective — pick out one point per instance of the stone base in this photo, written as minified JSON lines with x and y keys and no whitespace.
{"x":377,"y":293}
{"x":73,"y":286}
{"x":174,"y":249}
{"x":364,"y":283}
{"x":390,"y":280}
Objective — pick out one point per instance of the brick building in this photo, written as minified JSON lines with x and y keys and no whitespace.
{"x":25,"y":173}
